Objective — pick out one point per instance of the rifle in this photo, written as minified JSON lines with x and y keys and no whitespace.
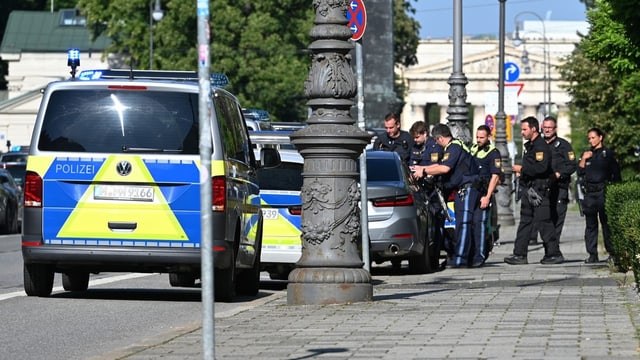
{"x":430,"y":186}
{"x":579,"y":195}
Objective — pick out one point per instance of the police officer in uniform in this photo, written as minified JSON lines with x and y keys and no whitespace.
{"x":460,"y":174}
{"x":394,"y":139}
{"x":535,"y":187}
{"x":563,"y":163}
{"x":425,"y":152}
{"x":491,"y":175}
{"x":597,"y":167}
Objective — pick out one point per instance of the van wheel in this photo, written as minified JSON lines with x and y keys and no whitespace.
{"x":38,"y":279}
{"x":224,"y":282}
{"x":75,"y":281}
{"x":182,"y":279}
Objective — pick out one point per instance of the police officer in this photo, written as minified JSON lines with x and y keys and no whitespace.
{"x":535,"y":187}
{"x":597,"y":167}
{"x":425,"y":152}
{"x":491,"y":175}
{"x":563,"y":163}
{"x":459,"y":173}
{"x":394,"y":139}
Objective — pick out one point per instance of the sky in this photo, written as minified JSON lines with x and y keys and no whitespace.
{"x":481,"y":16}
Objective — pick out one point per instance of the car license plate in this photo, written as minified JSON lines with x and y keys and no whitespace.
{"x":123,"y":192}
{"x":270,"y":214}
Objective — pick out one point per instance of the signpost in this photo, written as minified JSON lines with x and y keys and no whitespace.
{"x":357,"y":17}
{"x":357,"y":23}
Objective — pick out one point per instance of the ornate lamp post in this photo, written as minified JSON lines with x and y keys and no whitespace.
{"x":457,"y":109}
{"x":503,"y":198}
{"x":155,"y":13}
{"x":330,"y":269}
{"x":517,"y":41}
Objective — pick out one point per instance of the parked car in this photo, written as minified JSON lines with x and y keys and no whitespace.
{"x":17,"y":171}
{"x":14,"y":157}
{"x":400,"y":224}
{"x":257,"y":119}
{"x":9,"y":203}
{"x":281,"y":205}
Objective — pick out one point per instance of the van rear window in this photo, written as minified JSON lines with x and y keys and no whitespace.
{"x":112,"y":121}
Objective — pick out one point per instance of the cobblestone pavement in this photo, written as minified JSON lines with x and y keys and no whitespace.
{"x":568,"y":311}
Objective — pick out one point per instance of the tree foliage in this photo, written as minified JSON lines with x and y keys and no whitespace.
{"x":603,"y":76}
{"x":261,"y":45}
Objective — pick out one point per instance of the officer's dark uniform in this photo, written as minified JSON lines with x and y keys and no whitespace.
{"x":402,"y":144}
{"x":463,"y":178}
{"x":490,"y":162}
{"x":535,"y":174}
{"x":427,"y":154}
{"x":600,"y":169}
{"x":563,"y":161}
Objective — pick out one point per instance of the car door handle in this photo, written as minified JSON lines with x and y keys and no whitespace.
{"x":122,"y":226}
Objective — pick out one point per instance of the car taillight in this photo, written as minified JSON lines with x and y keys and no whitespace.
{"x":405,"y":200}
{"x":32,"y":190}
{"x":218,"y":193}
{"x":295,"y":210}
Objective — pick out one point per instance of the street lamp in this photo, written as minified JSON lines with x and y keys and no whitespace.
{"x":155,"y":13}
{"x":517,"y":41}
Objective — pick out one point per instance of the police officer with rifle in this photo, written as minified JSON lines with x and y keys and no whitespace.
{"x":460,"y":175}
{"x":426,"y":151}
{"x":536,"y":184}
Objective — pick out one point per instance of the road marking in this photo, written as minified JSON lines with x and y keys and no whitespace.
{"x":101,"y":281}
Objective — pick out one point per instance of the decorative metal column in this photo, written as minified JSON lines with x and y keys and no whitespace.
{"x":330,"y":269}
{"x":457,"y":109}
{"x":503,"y":198}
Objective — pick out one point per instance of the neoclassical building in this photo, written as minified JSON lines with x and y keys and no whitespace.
{"x":427,"y":88}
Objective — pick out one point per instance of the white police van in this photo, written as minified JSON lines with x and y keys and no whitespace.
{"x":113,"y":183}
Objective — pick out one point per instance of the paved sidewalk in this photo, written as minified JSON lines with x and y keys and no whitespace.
{"x":567,"y":311}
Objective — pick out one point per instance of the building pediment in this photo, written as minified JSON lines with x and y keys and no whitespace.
{"x":486,"y":62}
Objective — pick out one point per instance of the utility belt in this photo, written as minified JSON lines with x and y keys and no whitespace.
{"x":593,"y":187}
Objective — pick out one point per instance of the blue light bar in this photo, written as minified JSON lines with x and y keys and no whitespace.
{"x":256,"y":114}
{"x":73,"y":57}
{"x":217,"y":79}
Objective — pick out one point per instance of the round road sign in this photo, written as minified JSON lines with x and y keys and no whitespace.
{"x":357,"y":17}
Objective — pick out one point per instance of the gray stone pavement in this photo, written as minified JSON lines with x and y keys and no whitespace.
{"x":567,"y":311}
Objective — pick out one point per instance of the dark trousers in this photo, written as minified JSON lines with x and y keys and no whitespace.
{"x":539,"y":218}
{"x":465,"y":207}
{"x":593,"y":208}
{"x":559,"y":200}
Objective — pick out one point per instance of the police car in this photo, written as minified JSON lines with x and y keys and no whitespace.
{"x":113,"y":183}
{"x":281,"y":205}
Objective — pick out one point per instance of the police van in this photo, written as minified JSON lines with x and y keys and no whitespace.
{"x":113,"y":179}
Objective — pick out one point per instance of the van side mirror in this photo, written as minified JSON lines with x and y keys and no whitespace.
{"x":269,"y":157}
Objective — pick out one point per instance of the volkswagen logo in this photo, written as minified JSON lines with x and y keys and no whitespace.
{"x":123,"y":168}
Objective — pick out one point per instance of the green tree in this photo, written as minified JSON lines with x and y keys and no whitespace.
{"x":603,"y":76}
{"x":260,"y":45}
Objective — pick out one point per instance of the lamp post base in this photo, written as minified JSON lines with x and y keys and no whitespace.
{"x":320,"y":286}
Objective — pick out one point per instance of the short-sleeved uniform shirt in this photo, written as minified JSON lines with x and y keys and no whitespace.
{"x":460,"y":161}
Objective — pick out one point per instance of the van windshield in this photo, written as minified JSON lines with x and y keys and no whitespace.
{"x":119,"y":121}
